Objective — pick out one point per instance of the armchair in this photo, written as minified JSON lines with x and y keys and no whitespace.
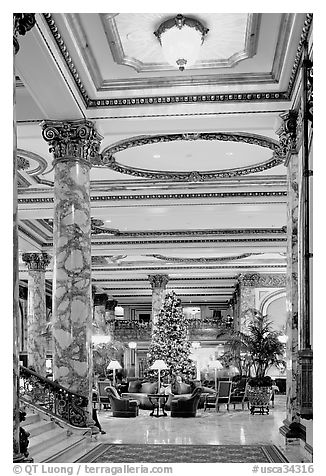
{"x":122,"y":407}
{"x":186,"y":406}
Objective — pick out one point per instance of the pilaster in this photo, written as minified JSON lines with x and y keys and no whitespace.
{"x":158,"y":283}
{"x":22,"y":23}
{"x":36,"y":310}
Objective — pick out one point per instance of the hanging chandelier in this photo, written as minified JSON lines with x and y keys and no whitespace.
{"x":181,"y":39}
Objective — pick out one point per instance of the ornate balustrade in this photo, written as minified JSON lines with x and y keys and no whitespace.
{"x":201,"y":329}
{"x":53,"y":398}
{"x":207,"y":329}
{"x":128,"y":330}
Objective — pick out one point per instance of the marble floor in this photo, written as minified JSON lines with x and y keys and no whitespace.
{"x":235,"y":427}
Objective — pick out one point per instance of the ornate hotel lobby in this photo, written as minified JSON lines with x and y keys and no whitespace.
{"x":162,"y":252}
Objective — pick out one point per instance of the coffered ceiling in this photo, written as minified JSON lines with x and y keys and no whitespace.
{"x":192,"y":182}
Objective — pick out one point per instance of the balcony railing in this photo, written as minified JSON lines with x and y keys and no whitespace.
{"x":201,"y":329}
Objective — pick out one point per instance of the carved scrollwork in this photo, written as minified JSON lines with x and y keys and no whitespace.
{"x":56,"y":399}
{"x":76,"y":140}
{"x":22,"y":163}
{"x":263,"y":280}
{"x":23,"y":22}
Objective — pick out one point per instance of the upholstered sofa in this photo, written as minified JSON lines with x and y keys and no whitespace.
{"x":139,"y":391}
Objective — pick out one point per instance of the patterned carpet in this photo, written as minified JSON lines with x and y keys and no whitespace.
{"x":116,"y":453}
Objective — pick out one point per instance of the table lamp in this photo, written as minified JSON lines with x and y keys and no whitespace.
{"x":114,"y":365}
{"x":159,"y":365}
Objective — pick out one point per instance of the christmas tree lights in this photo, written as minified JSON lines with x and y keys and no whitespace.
{"x":170,"y":340}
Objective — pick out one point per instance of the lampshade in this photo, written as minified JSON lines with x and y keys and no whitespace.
{"x":119,"y":311}
{"x":215,"y":364}
{"x":159,"y":365}
{"x":114,"y":365}
{"x":181,"y":39}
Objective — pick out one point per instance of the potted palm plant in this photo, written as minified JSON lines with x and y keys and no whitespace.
{"x":260,"y":345}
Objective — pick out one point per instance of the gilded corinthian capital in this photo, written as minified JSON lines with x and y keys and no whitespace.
{"x":36,"y":261}
{"x":72,"y":140}
{"x":158,"y":280}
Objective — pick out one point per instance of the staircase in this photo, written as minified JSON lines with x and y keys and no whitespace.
{"x":54,"y":441}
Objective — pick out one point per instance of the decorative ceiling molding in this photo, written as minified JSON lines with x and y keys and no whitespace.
{"x":117,"y":39}
{"x":170,"y":99}
{"x":164,"y":196}
{"x":26,"y":157}
{"x":190,"y":267}
{"x":203,"y":260}
{"x":186,"y":278}
{"x":106,"y":158}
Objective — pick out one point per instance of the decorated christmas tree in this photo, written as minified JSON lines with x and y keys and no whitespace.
{"x":170,"y":341}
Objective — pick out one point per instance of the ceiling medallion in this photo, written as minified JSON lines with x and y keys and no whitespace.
{"x":181,"y":39}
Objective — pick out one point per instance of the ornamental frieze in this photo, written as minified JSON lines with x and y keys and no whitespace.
{"x":202,"y":260}
{"x":36,"y":261}
{"x":164,"y":196}
{"x":263,"y":280}
{"x":72,"y":140}
{"x":158,"y":280}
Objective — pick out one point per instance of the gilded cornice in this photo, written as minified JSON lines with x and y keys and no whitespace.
{"x":263,"y":280}
{"x":208,"y":240}
{"x":172,"y":99}
{"x":190,"y":267}
{"x":107,"y":159}
{"x":164,"y":196}
{"x":48,"y":222}
{"x":218,"y":278}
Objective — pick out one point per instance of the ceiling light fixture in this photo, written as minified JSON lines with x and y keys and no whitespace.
{"x":181,"y":38}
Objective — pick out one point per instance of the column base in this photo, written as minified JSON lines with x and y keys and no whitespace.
{"x":293,"y":432}
{"x":20,"y":458}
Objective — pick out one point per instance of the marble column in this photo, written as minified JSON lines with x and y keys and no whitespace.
{"x":99,"y":321}
{"x":158,"y":283}
{"x":287,"y":135}
{"x":74,"y":144}
{"x":22,"y":23}
{"x":36,"y":310}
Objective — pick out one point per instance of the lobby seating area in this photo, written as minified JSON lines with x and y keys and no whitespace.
{"x":162,"y":203}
